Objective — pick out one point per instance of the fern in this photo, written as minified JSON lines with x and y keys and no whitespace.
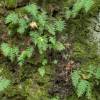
{"x":51,"y":29}
{"x":5,"y":49}
{"x":42,"y":44}
{"x":42,"y":18}
{"x":91,"y":71}
{"x":22,"y":26}
{"x":32,"y":9}
{"x":24,"y":55}
{"x":89,"y":92}
{"x":13,"y":53}
{"x":97,"y":73}
{"x":12,"y":18}
{"x":88,"y":4}
{"x":59,"y":25}
{"x":38,"y":27}
{"x":4,"y":83}
{"x":82,"y":87}
{"x":59,"y":46}
{"x":41,"y":71}
{"x":40,"y":41}
{"x":75,"y":78}
{"x":78,"y":6}
{"x":84,"y":80}
{"x":52,"y":40}
{"x":8,"y":51}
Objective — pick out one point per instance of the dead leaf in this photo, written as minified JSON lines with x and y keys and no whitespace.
{"x":33,"y":25}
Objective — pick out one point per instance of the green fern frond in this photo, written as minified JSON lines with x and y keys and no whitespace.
{"x":89,"y":92}
{"x":52,"y":40}
{"x":88,"y":4}
{"x":59,"y":46}
{"x":80,"y":4}
{"x":75,"y":78}
{"x":82,"y":87}
{"x":4,"y":83}
{"x":42,"y":18}
{"x":42,"y":44}
{"x":32,"y":9}
{"x":12,"y":18}
{"x":24,"y":55}
{"x":59,"y":25}
{"x":22,"y":26}
{"x":8,"y":51}
{"x":5,"y":49}
{"x":77,"y":7}
{"x":39,"y":41}
{"x":14,"y":52}
{"x":51,"y":29}
{"x":97,"y":73}
{"x":34,"y":36}
{"x":91,"y":70}
{"x":42,"y":71}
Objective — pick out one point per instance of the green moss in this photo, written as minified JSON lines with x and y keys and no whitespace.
{"x":4,"y":72}
{"x":11,"y":3}
{"x":79,"y":51}
{"x":34,"y":87}
{"x":85,"y":52}
{"x":34,"y":91}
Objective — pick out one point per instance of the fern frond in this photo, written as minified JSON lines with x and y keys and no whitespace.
{"x":42,"y":44}
{"x":24,"y":55}
{"x":97,"y":73}
{"x":88,"y":4}
{"x":89,"y":92}
{"x":22,"y":25}
{"x":34,"y":36}
{"x":52,"y":40}
{"x":12,"y":18}
{"x":32,"y":9}
{"x":75,"y":78}
{"x":59,"y":25}
{"x":14,"y":52}
{"x":8,"y":51}
{"x":91,"y":70}
{"x":42,"y":18}
{"x":59,"y":46}
{"x":5,"y":49}
{"x":82,"y":87}
{"x":4,"y":83}
{"x":51,"y":29}
{"x":77,"y":7}
{"x":39,"y":41}
{"x":42,"y":71}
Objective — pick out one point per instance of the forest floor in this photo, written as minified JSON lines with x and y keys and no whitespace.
{"x":57,"y":80}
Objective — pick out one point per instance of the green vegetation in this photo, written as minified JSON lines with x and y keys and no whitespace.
{"x":38,"y":37}
{"x":85,"y":80}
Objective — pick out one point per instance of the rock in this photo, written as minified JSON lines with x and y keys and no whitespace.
{"x":95,"y":30}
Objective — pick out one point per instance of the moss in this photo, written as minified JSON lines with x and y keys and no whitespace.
{"x":34,"y":92}
{"x":85,"y":52}
{"x":34,"y":87}
{"x":11,"y":3}
{"x":79,"y":51}
{"x":4,"y":72}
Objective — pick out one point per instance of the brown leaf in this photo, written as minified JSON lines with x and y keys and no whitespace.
{"x":33,"y":25}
